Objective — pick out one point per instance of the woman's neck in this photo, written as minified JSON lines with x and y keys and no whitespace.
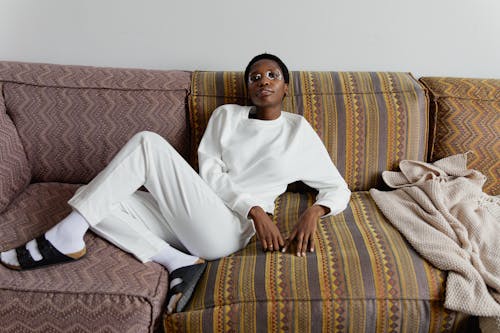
{"x":268,"y":113}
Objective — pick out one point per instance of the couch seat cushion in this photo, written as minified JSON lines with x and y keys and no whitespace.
{"x":107,"y":290}
{"x":363,"y":275}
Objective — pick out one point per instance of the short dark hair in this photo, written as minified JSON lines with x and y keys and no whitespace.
{"x":284,"y":69}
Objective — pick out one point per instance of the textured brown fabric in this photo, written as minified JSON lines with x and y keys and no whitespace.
{"x":92,"y":77}
{"x":107,"y":289}
{"x":72,"y":120}
{"x":14,"y":170}
{"x":33,"y":212}
{"x":368,"y":121}
{"x":466,"y":117}
{"x":363,"y":275}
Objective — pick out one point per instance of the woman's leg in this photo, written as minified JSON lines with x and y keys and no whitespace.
{"x":193,"y":213}
{"x":138,"y":227}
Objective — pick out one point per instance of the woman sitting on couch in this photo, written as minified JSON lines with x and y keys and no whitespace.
{"x":247,"y":157}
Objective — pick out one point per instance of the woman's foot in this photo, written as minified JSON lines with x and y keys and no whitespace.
{"x":185,"y":271}
{"x":182,"y":284}
{"x":172,"y":259}
{"x":63,"y":242}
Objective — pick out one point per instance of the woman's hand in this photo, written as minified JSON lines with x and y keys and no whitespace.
{"x":302,"y":235}
{"x":268,"y":233}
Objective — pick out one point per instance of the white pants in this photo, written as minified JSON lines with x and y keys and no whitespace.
{"x":180,"y":208}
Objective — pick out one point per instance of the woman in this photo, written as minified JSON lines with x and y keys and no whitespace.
{"x":247,"y":157}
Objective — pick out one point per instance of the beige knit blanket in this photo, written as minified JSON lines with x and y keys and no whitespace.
{"x":442,"y":212}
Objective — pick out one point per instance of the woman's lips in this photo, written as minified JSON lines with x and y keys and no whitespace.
{"x":264,"y":92}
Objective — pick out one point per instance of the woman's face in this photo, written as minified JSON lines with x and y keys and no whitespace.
{"x":266,"y":85}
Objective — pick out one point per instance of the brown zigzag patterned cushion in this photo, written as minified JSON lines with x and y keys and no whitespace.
{"x":33,"y":212}
{"x":15,"y":173}
{"x":108,"y":290}
{"x":466,"y":117}
{"x":73,"y":119}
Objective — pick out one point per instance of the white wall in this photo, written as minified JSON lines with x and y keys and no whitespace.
{"x":426,"y":37}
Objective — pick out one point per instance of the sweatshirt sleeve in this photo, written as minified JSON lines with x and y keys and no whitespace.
{"x":320,"y":173}
{"x":214,"y":170}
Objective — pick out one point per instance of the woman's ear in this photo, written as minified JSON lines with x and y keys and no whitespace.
{"x":286,"y":89}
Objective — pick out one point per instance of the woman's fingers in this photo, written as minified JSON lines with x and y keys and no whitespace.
{"x":311,"y":243}
{"x":278,"y":242}
{"x":289,"y":240}
{"x":303,"y":242}
{"x":271,"y":241}
{"x":264,"y":245}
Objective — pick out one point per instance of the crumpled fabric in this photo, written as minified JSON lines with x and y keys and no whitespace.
{"x":441,"y":210}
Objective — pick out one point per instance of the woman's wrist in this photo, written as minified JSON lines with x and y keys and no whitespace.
{"x":319,"y":210}
{"x":255,"y":211}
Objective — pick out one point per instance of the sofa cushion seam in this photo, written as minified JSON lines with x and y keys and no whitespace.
{"x":319,"y":94}
{"x":77,"y":293}
{"x":93,"y":88}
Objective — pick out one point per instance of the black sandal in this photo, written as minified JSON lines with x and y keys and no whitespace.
{"x":50,"y":256}
{"x":179,"y":295}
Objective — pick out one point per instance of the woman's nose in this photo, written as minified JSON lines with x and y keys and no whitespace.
{"x":264,"y":81}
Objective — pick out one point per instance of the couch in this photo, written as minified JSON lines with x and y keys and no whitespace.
{"x":60,"y":125}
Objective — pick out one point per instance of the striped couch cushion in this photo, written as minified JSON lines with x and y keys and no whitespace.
{"x":368,"y":121}
{"x":362,"y":277}
{"x":466,"y":117}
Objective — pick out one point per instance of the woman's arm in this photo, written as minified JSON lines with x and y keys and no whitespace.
{"x":320,"y":173}
{"x":214,"y":170}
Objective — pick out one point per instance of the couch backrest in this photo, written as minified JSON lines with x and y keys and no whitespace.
{"x":72,"y":120}
{"x":368,"y":121}
{"x":465,"y":116}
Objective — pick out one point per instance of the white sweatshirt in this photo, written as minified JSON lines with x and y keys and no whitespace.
{"x":249,"y":162}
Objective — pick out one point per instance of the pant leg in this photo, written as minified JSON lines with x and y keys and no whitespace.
{"x":193,"y":212}
{"x":138,"y":227}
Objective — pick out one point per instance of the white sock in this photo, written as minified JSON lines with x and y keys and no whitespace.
{"x":66,"y":236}
{"x":172,"y":259}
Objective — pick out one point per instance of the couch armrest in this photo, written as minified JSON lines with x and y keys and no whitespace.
{"x":15,"y":173}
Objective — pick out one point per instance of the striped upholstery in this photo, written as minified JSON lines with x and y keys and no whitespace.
{"x":363,"y":277}
{"x":368,"y":121}
{"x":73,"y":119}
{"x":466,"y":117}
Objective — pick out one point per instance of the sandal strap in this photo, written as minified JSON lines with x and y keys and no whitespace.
{"x":49,"y":253}
{"x":183,"y":273}
{"x":24,"y":257}
{"x":178,"y":288}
